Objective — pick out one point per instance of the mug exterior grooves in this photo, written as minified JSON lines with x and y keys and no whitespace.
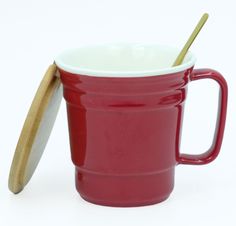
{"x":125,"y":135}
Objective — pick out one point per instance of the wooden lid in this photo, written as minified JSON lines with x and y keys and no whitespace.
{"x":36,"y":130}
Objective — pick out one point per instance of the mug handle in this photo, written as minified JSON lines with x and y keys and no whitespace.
{"x":214,"y":150}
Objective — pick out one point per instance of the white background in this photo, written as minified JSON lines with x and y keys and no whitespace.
{"x":32,"y":33}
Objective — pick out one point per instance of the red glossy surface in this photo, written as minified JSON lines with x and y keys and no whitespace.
{"x":125,"y":134}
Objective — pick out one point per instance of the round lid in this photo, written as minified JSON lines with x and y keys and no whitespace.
{"x":36,"y":130}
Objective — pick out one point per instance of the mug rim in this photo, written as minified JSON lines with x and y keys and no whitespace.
{"x":61,"y":64}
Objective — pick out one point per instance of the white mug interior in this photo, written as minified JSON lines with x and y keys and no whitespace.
{"x":123,"y":60}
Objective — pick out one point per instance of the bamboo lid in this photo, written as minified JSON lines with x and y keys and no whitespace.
{"x":36,"y":130}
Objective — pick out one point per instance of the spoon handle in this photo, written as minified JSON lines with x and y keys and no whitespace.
{"x":192,"y":37}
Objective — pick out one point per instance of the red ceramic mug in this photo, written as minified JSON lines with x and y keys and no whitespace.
{"x":125,"y":108}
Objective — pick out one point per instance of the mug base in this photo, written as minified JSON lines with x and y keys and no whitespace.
{"x":123,"y":204}
{"x":124,"y":190}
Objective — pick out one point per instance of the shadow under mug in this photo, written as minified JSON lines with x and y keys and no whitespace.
{"x":125,"y":110}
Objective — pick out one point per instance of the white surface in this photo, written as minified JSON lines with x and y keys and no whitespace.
{"x":123,"y":60}
{"x":34,"y":32}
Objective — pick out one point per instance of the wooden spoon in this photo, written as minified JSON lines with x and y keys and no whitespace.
{"x":192,"y":37}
